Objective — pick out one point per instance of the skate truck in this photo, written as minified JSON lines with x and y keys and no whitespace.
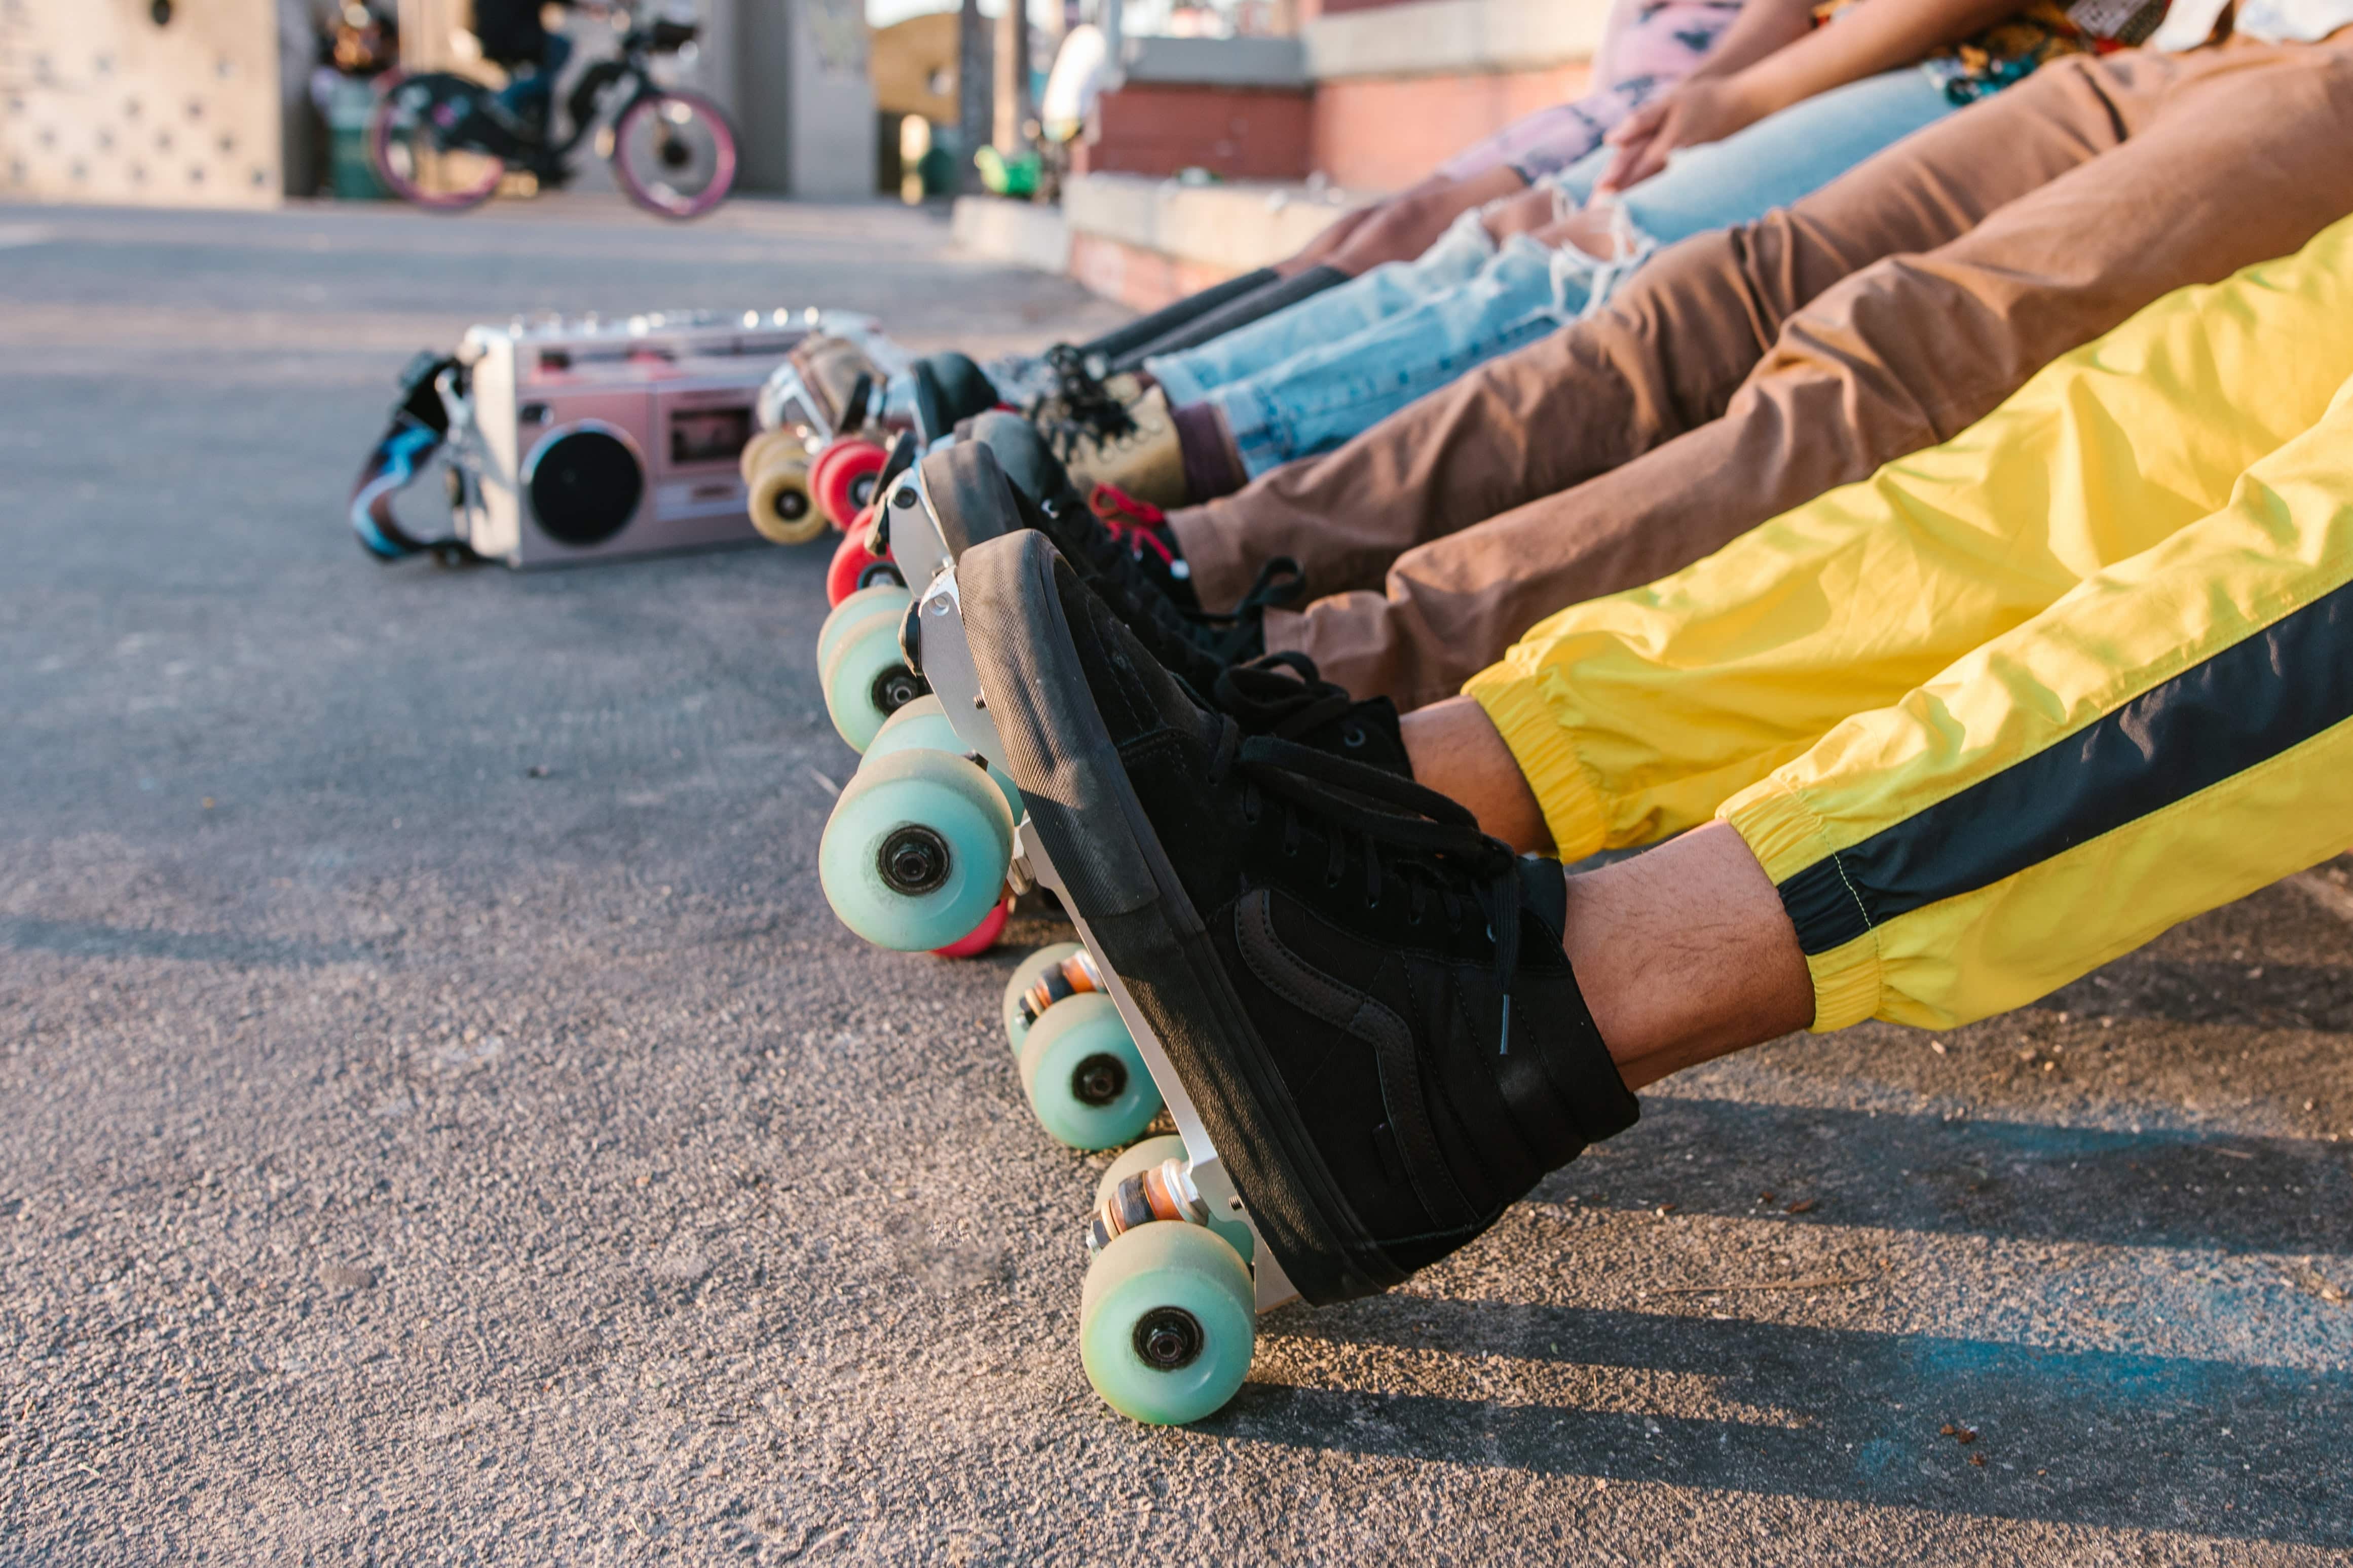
{"x":921,"y":844}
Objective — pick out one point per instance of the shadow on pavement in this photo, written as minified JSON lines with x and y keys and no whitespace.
{"x":2164,"y":1187}
{"x":2072,"y":1437}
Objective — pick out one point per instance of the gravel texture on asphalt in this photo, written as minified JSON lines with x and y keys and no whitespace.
{"x":441,"y":1121}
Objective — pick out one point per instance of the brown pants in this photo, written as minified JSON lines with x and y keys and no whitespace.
{"x":1743,"y":373}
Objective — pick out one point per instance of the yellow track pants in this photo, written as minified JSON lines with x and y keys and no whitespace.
{"x":2019,"y":702}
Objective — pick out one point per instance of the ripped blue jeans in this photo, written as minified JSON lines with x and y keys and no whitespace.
{"x":1353,"y":361}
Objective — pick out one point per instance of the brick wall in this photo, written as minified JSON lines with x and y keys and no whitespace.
{"x":1382,"y":133}
{"x":1240,"y":133}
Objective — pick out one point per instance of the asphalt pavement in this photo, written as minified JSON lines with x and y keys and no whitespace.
{"x":441,"y":1121}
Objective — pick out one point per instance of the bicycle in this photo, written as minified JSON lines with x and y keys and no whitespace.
{"x":444,"y":141}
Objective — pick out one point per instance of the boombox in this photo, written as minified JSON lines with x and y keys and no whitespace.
{"x":589,"y":439}
{"x":584,"y":440}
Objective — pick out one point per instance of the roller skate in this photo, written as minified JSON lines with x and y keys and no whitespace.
{"x":915,"y":844}
{"x":827,"y":419}
{"x":958,"y":497}
{"x":1111,"y":430}
{"x":1438,"y":1109}
{"x":881,"y":706}
{"x":867,"y":679}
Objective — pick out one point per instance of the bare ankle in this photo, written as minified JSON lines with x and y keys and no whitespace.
{"x":1685,"y":955}
{"x":1456,"y":749}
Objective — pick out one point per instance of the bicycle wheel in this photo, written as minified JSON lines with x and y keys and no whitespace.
{"x":674,"y":153}
{"x":418,"y":137}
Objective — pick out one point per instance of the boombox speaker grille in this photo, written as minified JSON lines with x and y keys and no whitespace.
{"x":585,"y":483}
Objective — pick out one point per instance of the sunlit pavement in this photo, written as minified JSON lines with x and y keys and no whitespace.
{"x":440,"y":1120}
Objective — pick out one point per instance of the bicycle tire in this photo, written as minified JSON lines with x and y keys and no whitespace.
{"x":725,"y":160}
{"x":396,"y":172}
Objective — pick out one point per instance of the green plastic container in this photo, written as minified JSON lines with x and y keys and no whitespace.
{"x":350,"y":170}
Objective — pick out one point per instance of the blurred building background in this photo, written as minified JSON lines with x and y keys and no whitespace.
{"x":1182,"y":140}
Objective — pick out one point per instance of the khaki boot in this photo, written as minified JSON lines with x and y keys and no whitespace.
{"x":1143,"y":458}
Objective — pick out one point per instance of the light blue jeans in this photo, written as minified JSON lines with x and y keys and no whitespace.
{"x":1352,"y":363}
{"x":1339,"y":312}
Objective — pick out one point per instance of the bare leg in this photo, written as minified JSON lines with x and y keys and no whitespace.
{"x":1684,"y":953}
{"x":1586,"y":228}
{"x":1404,"y":226}
{"x":1525,"y":213}
{"x":1455,"y":750}
{"x":1319,"y":250}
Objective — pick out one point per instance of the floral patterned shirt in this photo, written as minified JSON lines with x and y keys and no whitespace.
{"x":2038,"y":31}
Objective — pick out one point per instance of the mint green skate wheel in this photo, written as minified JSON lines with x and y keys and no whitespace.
{"x":848,"y":613}
{"x":867,"y":679}
{"x":1085,"y":1080}
{"x":1166,"y":1323}
{"x":915,"y":851}
{"x":924,"y":724}
{"x":1137,"y":1160}
{"x":1016,"y":1026}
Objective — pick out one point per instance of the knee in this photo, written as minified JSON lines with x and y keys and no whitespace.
{"x":1532,"y":209}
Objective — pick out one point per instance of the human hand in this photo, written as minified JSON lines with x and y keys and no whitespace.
{"x":1691,"y":114}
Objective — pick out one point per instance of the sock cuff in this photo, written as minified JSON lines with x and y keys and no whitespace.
{"x":1213,"y":466}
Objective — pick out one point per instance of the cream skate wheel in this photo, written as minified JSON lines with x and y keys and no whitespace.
{"x":914,"y":854}
{"x":763,"y":445}
{"x":1084,"y":1077}
{"x":781,"y":507}
{"x":1166,"y":1323}
{"x":1027,"y":974}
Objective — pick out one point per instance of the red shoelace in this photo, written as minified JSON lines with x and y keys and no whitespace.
{"x":1136,"y":524}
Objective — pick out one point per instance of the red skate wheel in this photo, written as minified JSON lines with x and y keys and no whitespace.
{"x":844,"y":478}
{"x":984,"y":935}
{"x":855,"y":564}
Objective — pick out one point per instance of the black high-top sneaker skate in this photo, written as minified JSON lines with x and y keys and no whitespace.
{"x":1277,"y":694}
{"x":960,"y":386}
{"x":1129,"y":546}
{"x":1364,"y":997}
{"x":1135,"y":550}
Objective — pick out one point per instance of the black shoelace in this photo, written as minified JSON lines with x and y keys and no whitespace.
{"x":1233,"y":636}
{"x":1265,"y":701}
{"x":1127,"y":585}
{"x":1406,"y":837}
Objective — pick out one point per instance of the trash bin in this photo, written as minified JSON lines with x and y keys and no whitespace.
{"x":350,"y":105}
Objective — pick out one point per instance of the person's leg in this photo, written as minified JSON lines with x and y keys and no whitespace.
{"x":1685,"y":955}
{"x":1347,"y":308}
{"x":1318,"y":399}
{"x":1648,"y":46}
{"x":1896,"y":358}
{"x":1147,"y":329}
{"x":1413,"y":221}
{"x":2175,"y":733}
{"x":1674,"y":345}
{"x":1315,"y":397}
{"x":1632,"y":718}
